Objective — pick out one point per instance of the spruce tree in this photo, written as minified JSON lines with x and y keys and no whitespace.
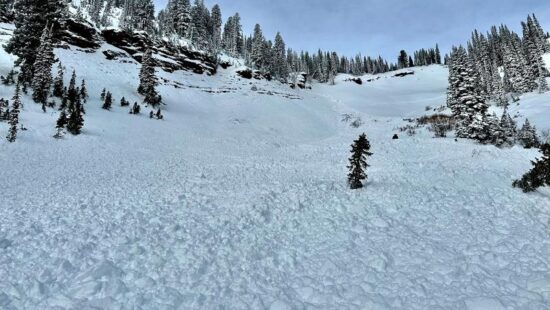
{"x":509,"y":128}
{"x":216,"y":25}
{"x":32,"y":17}
{"x":258,"y":45}
{"x":14,"y":114}
{"x":403,"y":60}
{"x":58,"y":82}
{"x":538,"y":176}
{"x":108,"y":102}
{"x":83,"y":91}
{"x":148,"y":80}
{"x":74,"y":106}
{"x":103,"y":93}
{"x":360,"y":150}
{"x":280,"y":62}
{"x":60,"y":124}
{"x":528,"y":136}
{"x":42,"y":78}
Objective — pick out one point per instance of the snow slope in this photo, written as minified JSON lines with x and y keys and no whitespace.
{"x":238,"y":200}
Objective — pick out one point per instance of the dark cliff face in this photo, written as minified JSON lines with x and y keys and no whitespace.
{"x":172,"y":58}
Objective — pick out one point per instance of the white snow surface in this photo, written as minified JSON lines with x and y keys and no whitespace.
{"x":238,"y":200}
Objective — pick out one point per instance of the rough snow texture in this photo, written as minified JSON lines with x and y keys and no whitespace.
{"x":238,"y":200}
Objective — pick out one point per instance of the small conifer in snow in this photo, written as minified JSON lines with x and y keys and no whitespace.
{"x":527,"y":136}
{"x":58,"y":82}
{"x":538,"y":176}
{"x":360,"y":150}
{"x":14,"y":115}
{"x":108,"y":102}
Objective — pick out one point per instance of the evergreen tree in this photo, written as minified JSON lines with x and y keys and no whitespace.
{"x":83,"y":91}
{"x":216,"y":24}
{"x":45,"y":58}
{"x":138,"y":15}
{"x":465,"y":98}
{"x":14,"y":114}
{"x":75,"y":120}
{"x":4,"y":109}
{"x":437,"y":55}
{"x":60,"y":124}
{"x":136,"y":109}
{"x":32,"y":17}
{"x":148,"y":80}
{"x":279,"y":53}
{"x":528,"y":136}
{"x":258,"y":45}
{"x":7,"y":13}
{"x":538,"y":176}
{"x":103,"y":93}
{"x":360,"y":150}
{"x":403,"y":60}
{"x":108,"y":102}
{"x":124,"y":102}
{"x":509,"y":127}
{"x":200,"y":25}
{"x":58,"y":82}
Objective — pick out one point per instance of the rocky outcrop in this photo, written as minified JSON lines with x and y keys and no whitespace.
{"x":167,"y":56}
{"x":256,"y":74}
{"x":356,"y":80}
{"x":300,"y":80}
{"x":403,"y":74}
{"x":77,"y":33}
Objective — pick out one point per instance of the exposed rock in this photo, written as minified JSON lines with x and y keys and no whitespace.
{"x":112,"y":55}
{"x":395,"y":137}
{"x":225,"y":64}
{"x":170,"y":58}
{"x":300,"y":80}
{"x":78,"y":33}
{"x":245,"y":74}
{"x":356,"y":80}
{"x":167,"y":56}
{"x":403,"y":74}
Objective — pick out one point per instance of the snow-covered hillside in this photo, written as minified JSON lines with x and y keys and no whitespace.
{"x":238,"y":200}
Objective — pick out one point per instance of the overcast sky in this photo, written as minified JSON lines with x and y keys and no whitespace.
{"x":374,"y":27}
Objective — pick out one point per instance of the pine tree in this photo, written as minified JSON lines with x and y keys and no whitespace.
{"x":465,"y":96}
{"x":360,"y":150}
{"x":138,"y":15}
{"x":403,"y":60}
{"x":74,"y":106}
{"x":159,"y":115}
{"x":124,"y":103}
{"x":258,"y":45}
{"x":216,"y":24}
{"x":60,"y":124}
{"x":14,"y":115}
{"x":509,"y":128}
{"x":42,"y":78}
{"x":58,"y":82}
{"x":83,"y":91}
{"x":528,"y":136}
{"x":538,"y":176}
{"x":103,"y":93}
{"x":136,"y":109}
{"x":148,"y":80}
{"x":32,"y":17}
{"x":108,"y":102}
{"x":279,"y":54}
